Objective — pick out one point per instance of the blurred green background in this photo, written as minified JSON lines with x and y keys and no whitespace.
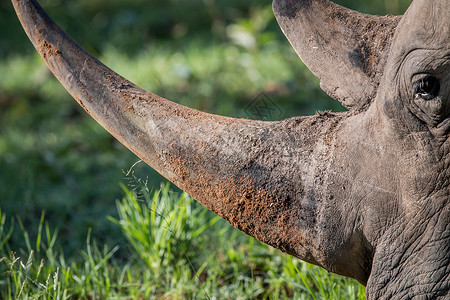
{"x":213,"y":55}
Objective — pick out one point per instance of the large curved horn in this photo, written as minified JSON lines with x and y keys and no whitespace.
{"x":260,"y":176}
{"x":347,"y":50}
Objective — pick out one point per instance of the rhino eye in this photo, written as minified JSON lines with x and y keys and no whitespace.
{"x":426,"y":88}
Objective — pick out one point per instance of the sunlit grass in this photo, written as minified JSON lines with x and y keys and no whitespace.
{"x":176,"y":249}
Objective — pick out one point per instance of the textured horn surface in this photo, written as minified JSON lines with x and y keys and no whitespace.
{"x":347,"y":50}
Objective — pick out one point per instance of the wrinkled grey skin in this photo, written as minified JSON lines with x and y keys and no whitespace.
{"x":363,"y":193}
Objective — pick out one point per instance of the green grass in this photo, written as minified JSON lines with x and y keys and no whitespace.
{"x":175,"y":249}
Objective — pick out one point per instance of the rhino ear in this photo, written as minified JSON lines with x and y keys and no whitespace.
{"x":347,"y":50}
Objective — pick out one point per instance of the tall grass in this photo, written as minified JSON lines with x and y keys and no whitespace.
{"x":176,"y":249}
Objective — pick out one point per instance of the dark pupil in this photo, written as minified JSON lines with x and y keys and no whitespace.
{"x":427,"y":88}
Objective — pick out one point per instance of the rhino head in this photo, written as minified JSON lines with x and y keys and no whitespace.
{"x":364,"y":193}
